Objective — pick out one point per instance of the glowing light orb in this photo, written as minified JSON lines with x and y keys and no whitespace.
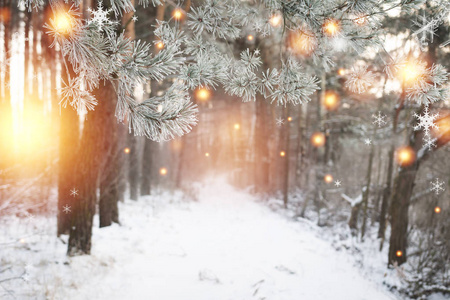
{"x":178,"y":14}
{"x":275,"y":20}
{"x":411,"y":72}
{"x":282,"y":153}
{"x":341,"y":72}
{"x":63,"y":22}
{"x":331,"y":100}
{"x":328,"y":178}
{"x":405,"y":156}
{"x":437,"y":209}
{"x":399,"y":253}
{"x":207,"y":154}
{"x":237,"y":126}
{"x":22,"y":241}
{"x":331,"y":27}
{"x":159,"y":45}
{"x":127,"y":150}
{"x":203,"y":94}
{"x":318,"y":139}
{"x":250,"y":37}
{"x":289,"y":119}
{"x":163,"y":171}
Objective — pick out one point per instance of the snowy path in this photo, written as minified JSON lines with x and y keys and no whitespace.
{"x":223,"y":247}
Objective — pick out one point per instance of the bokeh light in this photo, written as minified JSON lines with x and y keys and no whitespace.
{"x":163,"y":171}
{"x":202,"y":94}
{"x":405,"y":156}
{"x":318,"y":139}
{"x":178,"y":14}
{"x":331,"y":27}
{"x":331,"y":100}
{"x":328,"y":178}
{"x":275,"y":20}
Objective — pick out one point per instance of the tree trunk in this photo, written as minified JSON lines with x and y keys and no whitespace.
{"x":68,"y":144}
{"x":146,"y":167}
{"x":133,"y":171}
{"x":386,"y":196}
{"x":89,"y":160}
{"x":261,"y":148}
{"x":5,"y":101}
{"x":110,"y":168}
{"x":286,"y":160}
{"x":400,"y":200}
{"x":366,"y":192}
{"x":353,"y":221}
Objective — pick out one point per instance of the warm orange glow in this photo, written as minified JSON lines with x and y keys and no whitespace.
{"x":437,"y":209}
{"x":159,"y":45}
{"x":237,"y":126}
{"x":63,"y":22}
{"x":318,"y":139}
{"x":178,"y":14}
{"x":207,"y":154}
{"x":127,"y":150}
{"x":31,"y":134}
{"x":250,"y":37}
{"x":405,"y":156}
{"x":331,"y":100}
{"x":442,"y":132}
{"x":302,"y":42}
{"x":203,"y":94}
{"x":163,"y":171}
{"x":411,"y":72}
{"x":5,"y":15}
{"x":275,"y":20}
{"x":341,"y":72}
{"x":328,"y":178}
{"x":399,"y":253}
{"x":331,"y":27}
{"x":289,"y":119}
{"x":282,"y":154}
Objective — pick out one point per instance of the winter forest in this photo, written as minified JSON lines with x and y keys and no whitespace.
{"x":236,"y":149}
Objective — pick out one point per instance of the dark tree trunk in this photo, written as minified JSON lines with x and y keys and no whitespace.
{"x":133,"y":171}
{"x":146,"y":171}
{"x":385,"y":200}
{"x":5,"y":102}
{"x":286,"y":160}
{"x":68,"y":142}
{"x":110,"y":167}
{"x":353,"y":221}
{"x":89,"y":161}
{"x":366,"y":192}
{"x":262,"y":149}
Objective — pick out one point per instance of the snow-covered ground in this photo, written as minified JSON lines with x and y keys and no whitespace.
{"x":225,"y":246}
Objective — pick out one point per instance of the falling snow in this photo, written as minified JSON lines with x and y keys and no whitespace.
{"x":426,"y":121}
{"x":100,"y":16}
{"x":66,"y":209}
{"x":379,"y":119}
{"x":437,"y":186}
{"x":279,"y":122}
{"x":73,"y":192}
